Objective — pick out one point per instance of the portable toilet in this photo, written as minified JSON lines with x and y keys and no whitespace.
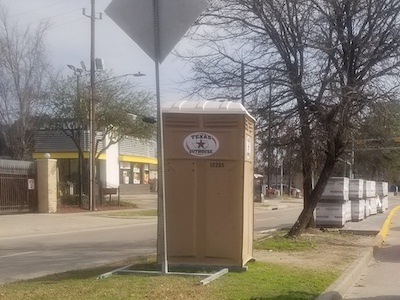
{"x":209,"y":158}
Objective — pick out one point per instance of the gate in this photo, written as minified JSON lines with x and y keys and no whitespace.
{"x":17,"y":187}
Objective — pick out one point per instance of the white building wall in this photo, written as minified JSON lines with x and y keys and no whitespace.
{"x":109,"y":168}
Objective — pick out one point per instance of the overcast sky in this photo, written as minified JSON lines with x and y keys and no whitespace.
{"x":68,"y":42}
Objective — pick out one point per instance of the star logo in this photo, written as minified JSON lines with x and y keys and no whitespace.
{"x":200,"y":144}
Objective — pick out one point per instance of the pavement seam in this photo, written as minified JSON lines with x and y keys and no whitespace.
{"x":341,"y":286}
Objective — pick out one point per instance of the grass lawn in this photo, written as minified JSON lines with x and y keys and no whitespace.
{"x":275,"y":279}
{"x":261,"y":281}
{"x":131,"y":213}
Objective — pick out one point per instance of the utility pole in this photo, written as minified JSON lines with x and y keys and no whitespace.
{"x":269,"y":159}
{"x":242,"y":81}
{"x":78,"y":74}
{"x":92,"y":106}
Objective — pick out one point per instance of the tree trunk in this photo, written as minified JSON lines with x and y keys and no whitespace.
{"x":308,"y":211}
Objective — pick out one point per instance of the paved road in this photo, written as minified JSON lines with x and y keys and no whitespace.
{"x":36,"y":245}
{"x":33,"y":245}
{"x":277,"y":214}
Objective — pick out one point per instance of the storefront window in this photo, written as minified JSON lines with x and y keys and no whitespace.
{"x":135,"y":173}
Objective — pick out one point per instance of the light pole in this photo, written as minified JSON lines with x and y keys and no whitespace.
{"x":92,"y":166}
{"x":92,"y":151}
{"x":138,"y":74}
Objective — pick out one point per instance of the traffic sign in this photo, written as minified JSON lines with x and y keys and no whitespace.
{"x":136,"y":18}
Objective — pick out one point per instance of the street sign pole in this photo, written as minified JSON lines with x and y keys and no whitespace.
{"x":157,"y":26}
{"x":160,"y":147}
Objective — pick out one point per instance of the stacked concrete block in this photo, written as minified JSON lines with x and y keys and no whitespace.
{"x":347,"y":208}
{"x":380,"y":207}
{"x":369,"y":188}
{"x":334,"y":208}
{"x":370,"y":197}
{"x":358,"y":210}
{"x":382,"y":190}
{"x":331,"y":214}
{"x":385,"y":203}
{"x":356,"y":194}
{"x":373,"y":202}
{"x":367,"y":211}
{"x":337,"y":189}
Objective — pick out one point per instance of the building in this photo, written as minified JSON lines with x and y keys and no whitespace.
{"x":130,"y":164}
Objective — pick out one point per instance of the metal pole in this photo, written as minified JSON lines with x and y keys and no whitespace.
{"x":160,"y":147}
{"x":351,"y":172}
{"x":92,"y":152}
{"x":242,"y":80}
{"x":281,"y":189}
{"x":269,"y":159}
{"x":80,"y":158}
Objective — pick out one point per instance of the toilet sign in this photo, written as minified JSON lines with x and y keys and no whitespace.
{"x":248,"y":146}
{"x":201,"y":144}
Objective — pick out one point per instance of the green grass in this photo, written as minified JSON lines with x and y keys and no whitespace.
{"x":131,"y":214}
{"x":116,"y":203}
{"x":279,"y":242}
{"x":273,"y":281}
{"x":261,"y":281}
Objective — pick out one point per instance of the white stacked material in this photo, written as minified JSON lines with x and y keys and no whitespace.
{"x":334,"y":207}
{"x":356,"y":189}
{"x":385,"y":202}
{"x":347,"y":208}
{"x":373,"y":202}
{"x":367,"y":208}
{"x":382,"y":188}
{"x":331,"y":214}
{"x":337,"y":189}
{"x":369,"y":189}
{"x":370,"y":198}
{"x":380,"y":207}
{"x":356,"y":194}
{"x":357,"y":210}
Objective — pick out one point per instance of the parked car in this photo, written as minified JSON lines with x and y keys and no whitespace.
{"x":276,"y":189}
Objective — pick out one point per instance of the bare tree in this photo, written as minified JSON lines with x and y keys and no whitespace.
{"x":23,"y":67}
{"x":327,"y":61}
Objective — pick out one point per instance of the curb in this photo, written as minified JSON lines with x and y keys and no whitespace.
{"x":339,"y":288}
{"x":381,"y":236}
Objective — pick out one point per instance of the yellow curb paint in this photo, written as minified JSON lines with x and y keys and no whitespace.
{"x":381,"y":236}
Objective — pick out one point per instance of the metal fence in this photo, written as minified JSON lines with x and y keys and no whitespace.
{"x":17,"y":187}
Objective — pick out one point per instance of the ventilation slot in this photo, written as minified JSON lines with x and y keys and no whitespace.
{"x":180,"y":120}
{"x":249,"y":126}
{"x":224,"y":122}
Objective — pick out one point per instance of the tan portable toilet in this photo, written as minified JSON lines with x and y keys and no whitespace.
{"x":209,"y":157}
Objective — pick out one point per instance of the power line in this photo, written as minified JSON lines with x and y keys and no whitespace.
{"x":66,"y":23}
{"x":50,"y":17}
{"x":40,"y":8}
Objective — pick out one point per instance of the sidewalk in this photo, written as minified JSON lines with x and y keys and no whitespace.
{"x":375,"y":275}
{"x":380,"y":279}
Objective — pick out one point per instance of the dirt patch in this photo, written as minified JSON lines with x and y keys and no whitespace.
{"x":330,"y":251}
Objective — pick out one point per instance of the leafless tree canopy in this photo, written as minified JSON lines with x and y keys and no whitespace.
{"x":326,"y":62}
{"x":23,"y":67}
